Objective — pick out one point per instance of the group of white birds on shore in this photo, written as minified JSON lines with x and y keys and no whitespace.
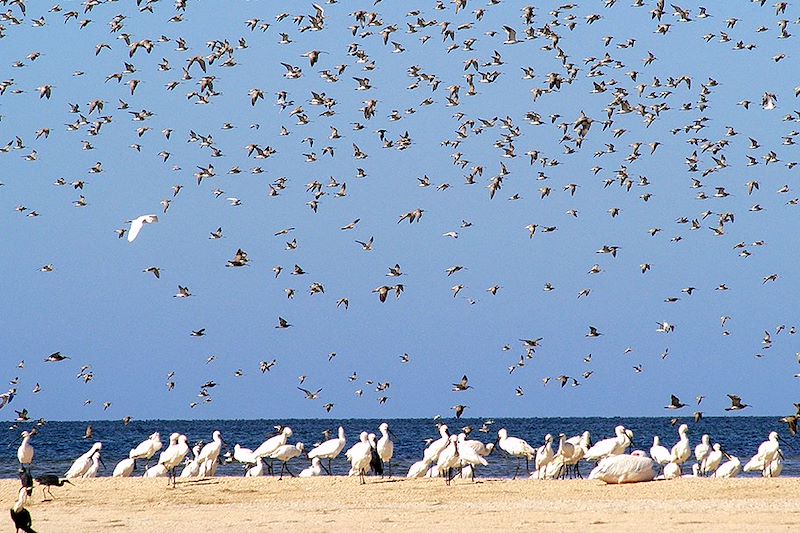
{"x":443,"y":457}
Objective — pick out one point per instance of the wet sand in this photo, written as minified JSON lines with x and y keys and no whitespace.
{"x":341,"y":504}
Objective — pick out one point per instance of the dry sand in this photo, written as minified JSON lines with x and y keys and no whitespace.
{"x":341,"y":504}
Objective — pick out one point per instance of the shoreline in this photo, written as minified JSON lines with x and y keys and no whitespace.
{"x":340,"y":503}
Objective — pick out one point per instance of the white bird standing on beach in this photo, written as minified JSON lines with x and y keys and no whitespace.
{"x":702,"y":450}
{"x":431,"y":453}
{"x":580,"y":445}
{"x":471,"y":454}
{"x":83,"y":463}
{"x":25,"y":450}
{"x":244,"y":455}
{"x":147,"y":448}
{"x":385,"y":447}
{"x":448,"y":459}
{"x":286,"y":453}
{"x":659,"y":453}
{"x":681,"y":451}
{"x":359,"y":456}
{"x":192,"y":467}
{"x":330,"y":449}
{"x":608,"y":447}
{"x":273,"y":443}
{"x":94,"y":466}
{"x":713,"y":460}
{"x":137,"y":223}
{"x":768,"y":452}
{"x":516,"y":447}
{"x":544,"y":455}
{"x":174,"y":455}
{"x":160,"y":468}
{"x":209,"y":455}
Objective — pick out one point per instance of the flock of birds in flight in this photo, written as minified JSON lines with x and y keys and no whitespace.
{"x":526,"y":148}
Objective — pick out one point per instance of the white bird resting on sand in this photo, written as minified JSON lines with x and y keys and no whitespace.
{"x":137,"y":223}
{"x":729,"y":468}
{"x":83,"y":463}
{"x":314,"y":470}
{"x":124,"y":468}
{"x":625,"y":469}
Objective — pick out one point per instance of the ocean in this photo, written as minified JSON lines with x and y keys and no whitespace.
{"x":58,"y":443}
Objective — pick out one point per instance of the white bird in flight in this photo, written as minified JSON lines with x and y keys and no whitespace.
{"x":137,"y":223}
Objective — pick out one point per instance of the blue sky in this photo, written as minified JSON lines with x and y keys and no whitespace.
{"x":99,"y":308}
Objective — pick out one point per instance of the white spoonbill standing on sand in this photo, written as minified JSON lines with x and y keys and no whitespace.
{"x":137,"y":224}
{"x":147,"y":448}
{"x":273,"y":443}
{"x":768,"y":452}
{"x":330,"y":449}
{"x":359,"y":456}
{"x":25,"y":450}
{"x":713,"y":460}
{"x":173,"y":456}
{"x":608,"y":447}
{"x":544,"y":455}
{"x":286,"y":453}
{"x":581,"y":444}
{"x":702,"y":450}
{"x":94,"y":466}
{"x":682,"y":451}
{"x":209,"y":455}
{"x":192,"y":467}
{"x":471,"y":454}
{"x":82,"y":463}
{"x":448,"y":459}
{"x":431,"y":453}
{"x":386,"y":447}
{"x":516,"y":447}
{"x":659,"y":453}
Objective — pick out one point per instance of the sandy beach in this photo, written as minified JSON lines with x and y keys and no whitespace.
{"x":341,"y":504}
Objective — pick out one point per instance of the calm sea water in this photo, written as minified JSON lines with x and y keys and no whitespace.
{"x":59,"y":443}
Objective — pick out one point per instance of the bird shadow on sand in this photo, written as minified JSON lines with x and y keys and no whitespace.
{"x":198,"y":482}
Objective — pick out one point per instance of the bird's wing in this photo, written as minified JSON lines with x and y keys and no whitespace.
{"x":136,"y":227}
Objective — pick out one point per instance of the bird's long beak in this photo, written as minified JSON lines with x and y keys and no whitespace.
{"x":100,"y":460}
{"x":67,"y":481}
